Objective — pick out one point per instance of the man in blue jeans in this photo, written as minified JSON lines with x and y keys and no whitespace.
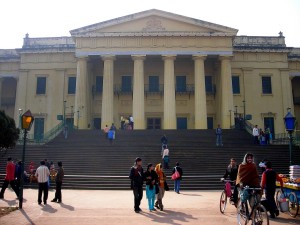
{"x":177,"y":180}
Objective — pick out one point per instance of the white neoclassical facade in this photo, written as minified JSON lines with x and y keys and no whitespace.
{"x":166,"y":70}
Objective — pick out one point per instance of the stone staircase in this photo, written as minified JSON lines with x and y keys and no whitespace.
{"x":92,"y":162}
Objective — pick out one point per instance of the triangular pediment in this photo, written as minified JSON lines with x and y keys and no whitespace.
{"x":154,"y":22}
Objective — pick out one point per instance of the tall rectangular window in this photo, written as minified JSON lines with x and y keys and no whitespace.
{"x":181,"y":83}
{"x":153,"y":83}
{"x":72,"y":85}
{"x":235,"y":84}
{"x":208,"y":84}
{"x":266,"y":85}
{"x":99,"y":84}
{"x":41,"y":86}
{"x":126,"y":84}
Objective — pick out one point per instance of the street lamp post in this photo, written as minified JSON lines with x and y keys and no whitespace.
{"x":27,"y":121}
{"x":77,"y":119}
{"x":65,"y":112}
{"x":244,"y":105}
{"x":289,"y":121}
{"x":230,"y":116}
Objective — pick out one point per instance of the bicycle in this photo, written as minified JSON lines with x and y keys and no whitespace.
{"x":258,"y":213}
{"x":225,"y":195}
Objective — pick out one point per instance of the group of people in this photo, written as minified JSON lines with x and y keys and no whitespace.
{"x":42,"y":173}
{"x":127,"y":123}
{"x":156,"y":184}
{"x":246,"y":174}
{"x":260,"y":136}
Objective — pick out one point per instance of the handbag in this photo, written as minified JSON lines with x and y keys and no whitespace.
{"x":166,"y":186}
{"x":175,"y":175}
{"x":156,"y":189}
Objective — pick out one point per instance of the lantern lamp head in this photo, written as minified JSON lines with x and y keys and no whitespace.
{"x":289,"y":121}
{"x":27,"y":120}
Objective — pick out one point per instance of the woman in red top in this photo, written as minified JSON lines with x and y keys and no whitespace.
{"x":9,"y":178}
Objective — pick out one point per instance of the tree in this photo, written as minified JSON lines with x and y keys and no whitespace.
{"x":9,"y":134}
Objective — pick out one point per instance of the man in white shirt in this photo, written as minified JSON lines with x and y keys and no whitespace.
{"x":42,"y":173}
{"x":255,"y":134}
{"x":165,"y":157}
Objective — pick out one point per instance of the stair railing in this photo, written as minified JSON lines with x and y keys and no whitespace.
{"x":41,"y":139}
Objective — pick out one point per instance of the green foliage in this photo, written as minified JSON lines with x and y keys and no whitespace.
{"x":9,"y":134}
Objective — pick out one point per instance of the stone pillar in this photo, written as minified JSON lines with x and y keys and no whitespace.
{"x":138,"y":92}
{"x":169,"y":93}
{"x":81,"y":94}
{"x":286,"y":89}
{"x":200,"y":94}
{"x":21,"y":94}
{"x":226,"y":92}
{"x":107,"y":114}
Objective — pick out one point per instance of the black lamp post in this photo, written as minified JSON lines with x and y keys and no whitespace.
{"x":289,"y":121}
{"x":27,"y":121}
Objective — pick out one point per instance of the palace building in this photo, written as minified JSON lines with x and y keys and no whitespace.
{"x":166,"y":70}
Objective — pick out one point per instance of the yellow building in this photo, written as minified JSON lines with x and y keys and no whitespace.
{"x":168,"y":71}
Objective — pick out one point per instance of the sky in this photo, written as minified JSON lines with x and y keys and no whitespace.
{"x":55,"y":18}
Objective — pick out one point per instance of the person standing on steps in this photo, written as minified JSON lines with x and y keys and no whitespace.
{"x":58,"y":180}
{"x":165,"y":157}
{"x":219,"y":136}
{"x":137,"y":180}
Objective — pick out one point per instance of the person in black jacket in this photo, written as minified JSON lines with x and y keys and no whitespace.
{"x":137,"y":180}
{"x":177,"y":180}
{"x":231,"y":174}
{"x":151,"y":182}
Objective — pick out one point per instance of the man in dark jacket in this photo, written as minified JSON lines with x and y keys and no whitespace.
{"x":137,"y":180}
{"x":231,"y":174}
{"x":58,"y":180}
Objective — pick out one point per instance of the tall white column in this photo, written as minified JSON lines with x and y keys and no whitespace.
{"x":138,"y":92}
{"x":108,"y":91}
{"x":81,"y":120}
{"x":169,"y":93}
{"x":226,"y":92}
{"x":200,"y":94}
{"x":21,"y":95}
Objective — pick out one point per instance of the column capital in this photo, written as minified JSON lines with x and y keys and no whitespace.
{"x":166,"y":57}
{"x":197,"y":57}
{"x":138,"y":57}
{"x":225,"y":57}
{"x":108,"y":57}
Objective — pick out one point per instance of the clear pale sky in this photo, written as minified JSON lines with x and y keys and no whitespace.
{"x":55,"y":18}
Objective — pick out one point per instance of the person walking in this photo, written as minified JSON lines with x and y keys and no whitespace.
{"x":164,"y":142}
{"x":42,"y":173}
{"x":177,"y":181}
{"x":151,"y":180}
{"x":58,"y":181}
{"x":9,"y":178}
{"x":165,"y":157}
{"x":219,"y":136}
{"x":268,"y":184}
{"x":161,"y":186}
{"x":137,"y":180}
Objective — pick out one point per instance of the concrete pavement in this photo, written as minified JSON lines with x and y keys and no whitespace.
{"x":80,"y":207}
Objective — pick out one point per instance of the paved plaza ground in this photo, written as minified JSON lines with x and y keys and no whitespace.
{"x":81,"y":207}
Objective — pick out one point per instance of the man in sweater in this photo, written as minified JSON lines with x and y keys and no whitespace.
{"x":9,"y":178}
{"x":58,"y":180}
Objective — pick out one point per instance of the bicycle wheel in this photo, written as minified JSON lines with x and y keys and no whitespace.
{"x":241,"y":213}
{"x":293,"y":205}
{"x":261,"y":216}
{"x":223,"y":202}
